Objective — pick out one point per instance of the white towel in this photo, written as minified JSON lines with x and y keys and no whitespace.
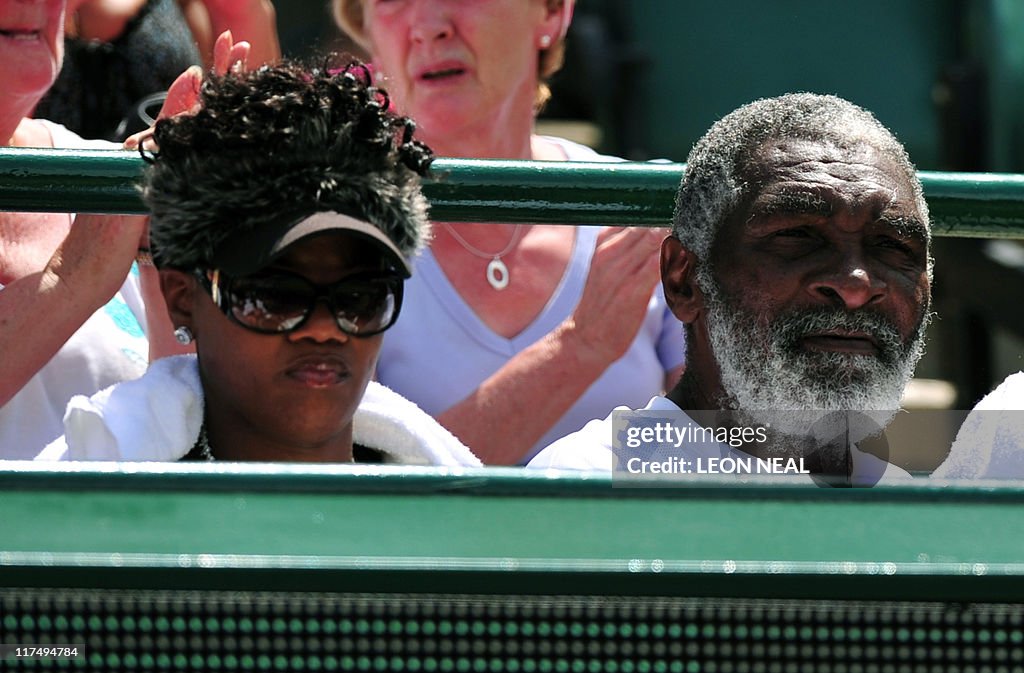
{"x":155,"y":417}
{"x":406,"y":434}
{"x":990,"y":444}
{"x":158,"y":418}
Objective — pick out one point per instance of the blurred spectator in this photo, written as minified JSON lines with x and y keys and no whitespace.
{"x":252,"y":21}
{"x":122,"y":55}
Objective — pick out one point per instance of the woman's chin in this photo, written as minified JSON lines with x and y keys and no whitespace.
{"x":449,"y":118}
{"x":32,"y":81}
{"x":313,"y":437}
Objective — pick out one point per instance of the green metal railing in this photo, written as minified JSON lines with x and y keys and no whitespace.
{"x":429,"y":529}
{"x":962,"y":204}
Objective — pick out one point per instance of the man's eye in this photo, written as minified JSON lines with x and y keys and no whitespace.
{"x":893,"y":243}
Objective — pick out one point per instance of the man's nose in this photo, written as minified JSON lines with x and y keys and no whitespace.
{"x":850,"y":284}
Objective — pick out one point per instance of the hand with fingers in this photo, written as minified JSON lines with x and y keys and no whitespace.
{"x":182,"y":99}
{"x":623,"y":274}
{"x":562,"y":366}
{"x":183,"y":95}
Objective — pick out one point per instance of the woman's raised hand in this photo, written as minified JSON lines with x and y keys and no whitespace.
{"x":230,"y":55}
{"x":96,"y":255}
{"x":623,"y":273}
{"x":183,"y":94}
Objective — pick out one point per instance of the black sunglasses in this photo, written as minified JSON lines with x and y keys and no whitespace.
{"x":362,"y":305}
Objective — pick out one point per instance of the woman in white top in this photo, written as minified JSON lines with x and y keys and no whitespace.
{"x":472,"y":76}
{"x":69,"y":321}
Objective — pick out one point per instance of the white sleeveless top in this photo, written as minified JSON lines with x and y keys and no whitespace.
{"x":110,"y":346}
{"x":440,"y":351}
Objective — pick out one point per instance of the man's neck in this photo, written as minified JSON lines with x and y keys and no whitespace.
{"x":692,"y":392}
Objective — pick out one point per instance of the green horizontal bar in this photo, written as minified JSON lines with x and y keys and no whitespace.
{"x":905,"y":542}
{"x":962,"y":204}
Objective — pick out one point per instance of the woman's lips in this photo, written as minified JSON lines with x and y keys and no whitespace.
{"x":442,"y":74}
{"x":319,"y":373}
{"x":441,"y":71}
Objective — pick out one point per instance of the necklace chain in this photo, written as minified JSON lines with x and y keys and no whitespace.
{"x":497,"y":274}
{"x":480,"y":253}
{"x":205,"y":452}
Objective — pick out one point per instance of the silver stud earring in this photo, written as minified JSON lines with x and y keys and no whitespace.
{"x":183,"y":335}
{"x":545,"y":41}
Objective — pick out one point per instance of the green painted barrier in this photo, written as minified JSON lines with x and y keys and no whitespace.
{"x":375,"y":528}
{"x":962,"y":204}
{"x":200,"y":567}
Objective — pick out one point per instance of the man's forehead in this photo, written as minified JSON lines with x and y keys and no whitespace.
{"x":854,"y":146}
{"x":784,"y":156}
{"x":808,"y":175}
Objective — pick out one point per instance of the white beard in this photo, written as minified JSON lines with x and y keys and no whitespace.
{"x":764,"y":371}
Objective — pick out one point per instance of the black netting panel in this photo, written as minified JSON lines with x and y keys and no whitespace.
{"x":269,"y":631}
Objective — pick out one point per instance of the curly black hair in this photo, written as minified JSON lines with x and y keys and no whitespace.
{"x":284,"y":140}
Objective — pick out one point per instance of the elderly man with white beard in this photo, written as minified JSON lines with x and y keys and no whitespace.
{"x":800,"y":263}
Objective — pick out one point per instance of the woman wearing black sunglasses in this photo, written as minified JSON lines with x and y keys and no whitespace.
{"x":283,"y":215}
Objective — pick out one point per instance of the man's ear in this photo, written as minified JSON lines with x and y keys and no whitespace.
{"x":179,"y":290}
{"x":679,"y":280}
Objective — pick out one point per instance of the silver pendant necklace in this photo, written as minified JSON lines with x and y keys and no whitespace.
{"x":497,"y":272}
